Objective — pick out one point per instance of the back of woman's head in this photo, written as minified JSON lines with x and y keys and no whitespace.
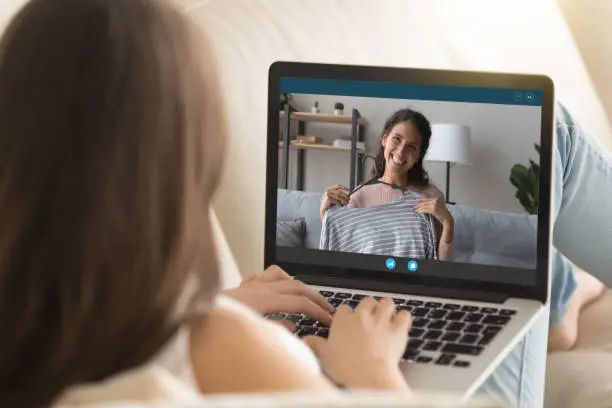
{"x":111,"y":141}
{"x":417,"y":174}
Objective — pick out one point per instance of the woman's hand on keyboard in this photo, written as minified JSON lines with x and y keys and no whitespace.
{"x":274,"y":291}
{"x":365,"y":345}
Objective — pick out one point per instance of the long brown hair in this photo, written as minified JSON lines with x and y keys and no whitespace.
{"x":111,"y":145}
{"x":417,"y":174}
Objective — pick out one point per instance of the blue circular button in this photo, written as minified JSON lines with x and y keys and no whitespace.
{"x":412,"y":265}
{"x":390,"y":263}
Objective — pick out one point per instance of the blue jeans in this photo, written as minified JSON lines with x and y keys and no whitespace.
{"x":583,"y":175}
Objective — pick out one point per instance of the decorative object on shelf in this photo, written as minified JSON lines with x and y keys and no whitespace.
{"x":526,"y":180}
{"x":339,"y":108}
{"x":308,"y":139}
{"x":345,"y":143}
{"x":315,"y":108}
{"x":452,"y":144}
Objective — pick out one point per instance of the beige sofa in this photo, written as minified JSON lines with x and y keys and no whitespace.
{"x":521,"y":36}
{"x":513,"y":35}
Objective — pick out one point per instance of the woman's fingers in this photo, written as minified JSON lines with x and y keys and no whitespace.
{"x":368,"y":304}
{"x":294,"y":287}
{"x":402,"y":320}
{"x":300,"y":304}
{"x":385,"y":309}
{"x":337,"y":197}
{"x":273,"y":274}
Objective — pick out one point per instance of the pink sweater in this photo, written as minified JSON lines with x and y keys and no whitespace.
{"x":383,"y":193}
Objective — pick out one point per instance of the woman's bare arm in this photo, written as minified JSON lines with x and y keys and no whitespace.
{"x":234,"y":354}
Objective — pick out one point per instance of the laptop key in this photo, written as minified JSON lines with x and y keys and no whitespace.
{"x":489,"y":334}
{"x":452,"y":306}
{"x":461,"y":363}
{"x":416,"y":332}
{"x":455,"y":326}
{"x":424,"y":359}
{"x":335,"y":302}
{"x":433,"y":334}
{"x":474,"y":318}
{"x":352,"y":303}
{"x":507,"y":312}
{"x":433,"y":304}
{"x":451,"y":336}
{"x":437,"y":324}
{"x":308,"y":322}
{"x":342,"y":295}
{"x":469,"y":339}
{"x":414,"y":302}
{"x":437,"y":314}
{"x":420,"y":312}
{"x":415,"y":344}
{"x":404,"y":307}
{"x":492,"y":330}
{"x":358,"y":297}
{"x":496,"y":319}
{"x":445,"y":359}
{"x":488,"y":310}
{"x":419,"y":322}
{"x":410,"y":354}
{"x":326,"y":293}
{"x":456,"y":348}
{"x":474,"y":328}
{"x":306,"y":331}
{"x":455,"y":316}
{"x":399,"y":301}
{"x":323,"y":332}
{"x":432,"y":346}
{"x":470,"y":309}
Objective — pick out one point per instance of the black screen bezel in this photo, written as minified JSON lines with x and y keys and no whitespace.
{"x":384,"y":280}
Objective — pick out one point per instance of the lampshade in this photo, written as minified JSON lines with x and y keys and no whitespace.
{"x":450,"y":143}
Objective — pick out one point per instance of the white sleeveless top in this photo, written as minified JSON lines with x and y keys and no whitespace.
{"x":170,"y":376}
{"x":175,"y":357}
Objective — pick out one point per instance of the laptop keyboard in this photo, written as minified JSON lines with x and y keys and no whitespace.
{"x":453,"y":331}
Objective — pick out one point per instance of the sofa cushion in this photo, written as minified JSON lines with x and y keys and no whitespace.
{"x":494,"y":237}
{"x":290,"y":232}
{"x":299,"y":204}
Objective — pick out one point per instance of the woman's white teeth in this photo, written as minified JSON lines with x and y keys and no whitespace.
{"x":397,"y":161}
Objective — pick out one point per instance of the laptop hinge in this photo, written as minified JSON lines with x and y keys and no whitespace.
{"x":402,"y":288}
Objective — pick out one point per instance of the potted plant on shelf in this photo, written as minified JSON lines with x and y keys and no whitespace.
{"x":315,"y":108}
{"x":527,"y":180}
{"x":339,"y":108}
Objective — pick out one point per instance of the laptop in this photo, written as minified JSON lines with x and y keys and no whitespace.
{"x":489,"y":158}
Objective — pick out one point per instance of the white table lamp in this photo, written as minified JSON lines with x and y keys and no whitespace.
{"x":451,"y":144}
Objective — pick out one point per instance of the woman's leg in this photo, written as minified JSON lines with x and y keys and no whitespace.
{"x":583,"y":173}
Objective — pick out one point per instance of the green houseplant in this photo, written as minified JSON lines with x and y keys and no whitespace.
{"x":526,"y":180}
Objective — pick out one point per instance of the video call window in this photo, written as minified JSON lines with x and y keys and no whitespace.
{"x":429,"y":179}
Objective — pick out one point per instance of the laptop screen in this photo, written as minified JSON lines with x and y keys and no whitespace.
{"x":409,"y":178}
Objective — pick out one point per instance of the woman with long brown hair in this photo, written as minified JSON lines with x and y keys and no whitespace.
{"x":111,"y":146}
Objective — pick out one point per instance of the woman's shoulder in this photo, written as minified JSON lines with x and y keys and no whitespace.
{"x":235,"y":344}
